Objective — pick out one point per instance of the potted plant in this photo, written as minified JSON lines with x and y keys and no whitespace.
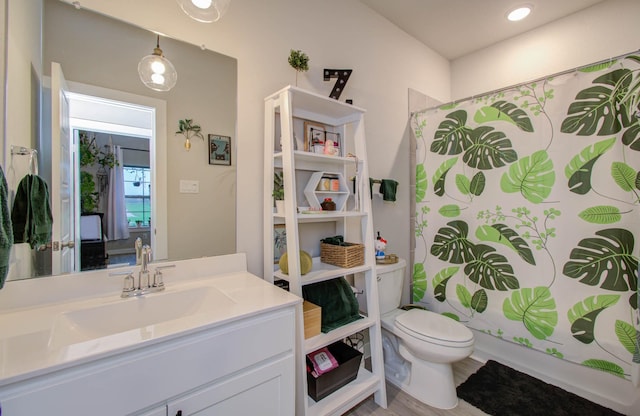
{"x":298,"y":61}
{"x":278,"y":191}
{"x":188,"y":129}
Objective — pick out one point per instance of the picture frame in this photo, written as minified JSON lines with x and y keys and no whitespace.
{"x":314,"y":133}
{"x":219,"y":150}
{"x":279,"y":242}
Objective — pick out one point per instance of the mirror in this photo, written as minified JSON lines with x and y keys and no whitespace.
{"x":99,"y":56}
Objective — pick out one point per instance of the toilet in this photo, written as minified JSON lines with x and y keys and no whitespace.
{"x":419,"y":346}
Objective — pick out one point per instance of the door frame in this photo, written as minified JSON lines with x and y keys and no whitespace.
{"x":157,"y":152}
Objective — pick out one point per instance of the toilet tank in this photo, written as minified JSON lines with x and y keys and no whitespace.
{"x":390,"y":285}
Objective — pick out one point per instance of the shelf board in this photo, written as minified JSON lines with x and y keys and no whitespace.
{"x":311,"y":106}
{"x":322,"y":340}
{"x":323,"y":271}
{"x":315,"y":161}
{"x":333,"y":216}
{"x":348,"y":396}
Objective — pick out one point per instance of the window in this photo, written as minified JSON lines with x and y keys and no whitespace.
{"x":137,"y":190}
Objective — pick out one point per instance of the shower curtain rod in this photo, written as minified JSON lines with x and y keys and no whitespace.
{"x":557,"y":74}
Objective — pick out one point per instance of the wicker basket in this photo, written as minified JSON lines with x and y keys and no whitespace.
{"x":347,"y":256}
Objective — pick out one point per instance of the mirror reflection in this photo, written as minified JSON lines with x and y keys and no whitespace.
{"x":171,"y":197}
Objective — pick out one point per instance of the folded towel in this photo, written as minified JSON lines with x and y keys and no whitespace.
{"x":339,"y":304}
{"x":388,"y":189}
{"x":6,"y":229}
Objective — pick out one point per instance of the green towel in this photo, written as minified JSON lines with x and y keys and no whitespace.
{"x":6,"y":229}
{"x":388,"y":189}
{"x":339,"y":304}
{"x":31,"y":213}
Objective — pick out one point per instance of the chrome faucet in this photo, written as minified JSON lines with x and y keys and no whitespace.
{"x":143,"y":275}
{"x":144,"y":284}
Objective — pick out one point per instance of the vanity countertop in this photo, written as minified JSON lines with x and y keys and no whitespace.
{"x":41,"y":339}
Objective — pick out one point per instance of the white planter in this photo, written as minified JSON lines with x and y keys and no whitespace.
{"x":279,"y":207}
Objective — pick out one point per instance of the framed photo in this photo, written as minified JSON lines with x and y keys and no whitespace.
{"x":219,"y":150}
{"x":279,"y":242}
{"x":314,"y":134}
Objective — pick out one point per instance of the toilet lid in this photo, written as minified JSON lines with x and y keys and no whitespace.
{"x":433,"y":327}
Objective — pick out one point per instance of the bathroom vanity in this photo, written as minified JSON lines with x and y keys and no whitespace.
{"x":220,"y":341}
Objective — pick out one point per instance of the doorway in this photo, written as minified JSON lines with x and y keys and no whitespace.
{"x":138,"y":125}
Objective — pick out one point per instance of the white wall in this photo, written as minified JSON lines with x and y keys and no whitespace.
{"x":605,"y":30}
{"x":335,"y":34}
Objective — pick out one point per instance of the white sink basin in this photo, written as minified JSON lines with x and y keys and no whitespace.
{"x":135,"y":316}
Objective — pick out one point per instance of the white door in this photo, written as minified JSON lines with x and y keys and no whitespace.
{"x":63,"y":237}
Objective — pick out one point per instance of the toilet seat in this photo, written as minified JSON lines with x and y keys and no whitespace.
{"x":434,"y":328}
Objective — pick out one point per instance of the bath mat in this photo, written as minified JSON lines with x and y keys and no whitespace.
{"x":502,"y":391}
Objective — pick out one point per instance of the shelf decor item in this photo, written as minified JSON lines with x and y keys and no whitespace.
{"x":334,"y":250}
{"x":313,"y":136}
{"x":298,"y":61}
{"x":312,"y":317}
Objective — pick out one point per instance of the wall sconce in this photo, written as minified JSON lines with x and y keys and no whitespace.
{"x":156,"y":71}
{"x":205,"y":11}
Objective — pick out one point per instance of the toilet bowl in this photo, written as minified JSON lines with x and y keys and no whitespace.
{"x":419,"y":346}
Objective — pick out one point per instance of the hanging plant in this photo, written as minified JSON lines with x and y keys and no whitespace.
{"x":88,"y":194}
{"x":90,"y":154}
{"x":88,"y":150}
{"x":188,"y":129}
{"x":298,"y":61}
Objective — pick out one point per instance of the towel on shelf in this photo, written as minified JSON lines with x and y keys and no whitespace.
{"x":339,"y":304}
{"x":6,"y":229}
{"x":31,"y":213}
{"x":388,"y":189}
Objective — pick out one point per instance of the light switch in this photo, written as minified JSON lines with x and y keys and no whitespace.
{"x":189,"y":187}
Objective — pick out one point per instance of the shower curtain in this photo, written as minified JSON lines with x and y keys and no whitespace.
{"x":117,"y":223}
{"x":528,"y":212}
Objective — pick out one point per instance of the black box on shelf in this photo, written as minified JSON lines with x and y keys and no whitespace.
{"x":347,"y":371}
{"x":282,"y":284}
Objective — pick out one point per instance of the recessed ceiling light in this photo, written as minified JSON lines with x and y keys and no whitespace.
{"x":519,"y":13}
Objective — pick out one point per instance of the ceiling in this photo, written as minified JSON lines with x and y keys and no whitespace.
{"x":454,"y":28}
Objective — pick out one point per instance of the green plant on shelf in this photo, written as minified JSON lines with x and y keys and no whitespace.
{"x":278,"y":186}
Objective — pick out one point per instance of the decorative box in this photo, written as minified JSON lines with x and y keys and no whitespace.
{"x":312,"y":315}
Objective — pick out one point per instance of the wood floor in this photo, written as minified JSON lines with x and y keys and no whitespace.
{"x":401,"y":404}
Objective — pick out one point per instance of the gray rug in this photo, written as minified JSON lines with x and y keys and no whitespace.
{"x":502,"y":391}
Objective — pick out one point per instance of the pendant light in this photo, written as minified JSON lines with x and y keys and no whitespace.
{"x":156,"y":71}
{"x":205,"y":11}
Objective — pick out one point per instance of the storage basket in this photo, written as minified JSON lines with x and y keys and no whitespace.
{"x":347,"y":256}
{"x":347,"y":371}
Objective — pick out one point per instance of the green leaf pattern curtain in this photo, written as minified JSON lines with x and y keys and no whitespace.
{"x":528,"y":214}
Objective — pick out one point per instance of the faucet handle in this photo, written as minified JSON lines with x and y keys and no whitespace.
{"x":157,"y":276}
{"x":129,"y":285}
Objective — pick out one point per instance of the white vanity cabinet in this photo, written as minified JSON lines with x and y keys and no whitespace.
{"x":242,"y":363}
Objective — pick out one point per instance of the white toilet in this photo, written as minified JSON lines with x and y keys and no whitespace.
{"x":419,"y":346}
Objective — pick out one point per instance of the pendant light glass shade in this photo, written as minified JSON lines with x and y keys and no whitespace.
{"x":156,"y":71}
{"x":205,"y":11}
